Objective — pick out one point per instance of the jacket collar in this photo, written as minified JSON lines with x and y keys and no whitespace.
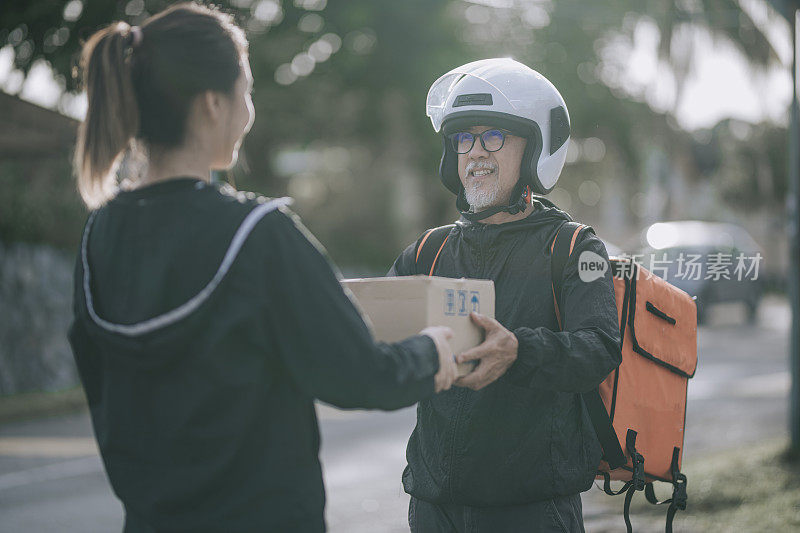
{"x":544,"y":211}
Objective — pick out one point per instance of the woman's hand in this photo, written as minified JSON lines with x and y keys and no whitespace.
{"x":448,"y":372}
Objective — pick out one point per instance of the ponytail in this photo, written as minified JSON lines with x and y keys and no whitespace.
{"x":112,"y":117}
{"x":140,"y":83}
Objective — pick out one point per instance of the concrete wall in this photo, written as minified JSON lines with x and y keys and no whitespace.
{"x":35,"y":312}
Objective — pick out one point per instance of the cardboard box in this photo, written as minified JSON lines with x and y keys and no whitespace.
{"x":396,"y":308}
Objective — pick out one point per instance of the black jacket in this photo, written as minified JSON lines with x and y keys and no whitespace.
{"x":205,"y":420}
{"x":527,"y":436}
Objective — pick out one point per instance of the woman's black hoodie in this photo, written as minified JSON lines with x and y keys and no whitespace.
{"x":206,"y":322}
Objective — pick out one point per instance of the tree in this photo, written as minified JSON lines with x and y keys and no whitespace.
{"x":340,"y":91}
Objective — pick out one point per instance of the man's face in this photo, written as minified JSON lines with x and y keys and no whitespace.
{"x":489,"y":177}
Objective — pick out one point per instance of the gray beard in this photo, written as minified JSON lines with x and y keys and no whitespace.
{"x":480,"y":198}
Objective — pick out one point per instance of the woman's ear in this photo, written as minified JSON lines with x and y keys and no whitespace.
{"x":210,"y":105}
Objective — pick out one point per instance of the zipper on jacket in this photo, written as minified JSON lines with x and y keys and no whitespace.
{"x":481,"y":273}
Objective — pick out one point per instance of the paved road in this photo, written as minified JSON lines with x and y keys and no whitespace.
{"x":51,"y":478}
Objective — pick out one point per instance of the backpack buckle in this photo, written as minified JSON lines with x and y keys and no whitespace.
{"x":638,"y":471}
{"x":679,"y":492}
{"x":638,"y":481}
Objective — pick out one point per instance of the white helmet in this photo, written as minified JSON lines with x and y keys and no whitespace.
{"x":505,"y":93}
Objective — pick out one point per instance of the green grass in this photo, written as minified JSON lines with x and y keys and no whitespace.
{"x":35,"y":404}
{"x":750,"y":489}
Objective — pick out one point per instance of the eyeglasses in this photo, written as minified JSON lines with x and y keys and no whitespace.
{"x":491,"y":140}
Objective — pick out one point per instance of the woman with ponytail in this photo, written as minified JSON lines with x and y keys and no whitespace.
{"x":208,"y":320}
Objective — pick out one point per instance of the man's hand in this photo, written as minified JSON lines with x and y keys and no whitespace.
{"x":448,"y":371}
{"x":495,"y":354}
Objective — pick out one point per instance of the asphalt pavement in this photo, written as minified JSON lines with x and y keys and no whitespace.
{"x":51,"y":478}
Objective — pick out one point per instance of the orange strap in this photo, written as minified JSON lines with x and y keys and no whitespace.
{"x":571,"y":247}
{"x":553,"y":244}
{"x":437,"y":254}
{"x":555,"y":303}
{"x":575,"y":236}
{"x":555,"y":300}
{"x":422,"y":243}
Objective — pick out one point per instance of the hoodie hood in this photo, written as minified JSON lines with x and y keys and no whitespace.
{"x":153,"y":260}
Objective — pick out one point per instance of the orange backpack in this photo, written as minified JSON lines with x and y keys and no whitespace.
{"x":643,"y":402}
{"x":644,"y":399}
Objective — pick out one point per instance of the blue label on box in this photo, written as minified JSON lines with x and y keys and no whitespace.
{"x":449,"y":302}
{"x":462,"y":303}
{"x":475,"y":302}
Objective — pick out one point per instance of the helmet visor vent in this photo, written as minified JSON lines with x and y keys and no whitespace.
{"x":473,"y":99}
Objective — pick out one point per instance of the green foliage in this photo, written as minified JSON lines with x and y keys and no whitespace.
{"x":751,"y":489}
{"x":39,"y":203}
{"x":370,"y":94}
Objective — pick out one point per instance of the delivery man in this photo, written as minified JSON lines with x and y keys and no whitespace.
{"x":510,"y":448}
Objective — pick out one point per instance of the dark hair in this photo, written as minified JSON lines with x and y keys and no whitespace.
{"x":140,"y":83}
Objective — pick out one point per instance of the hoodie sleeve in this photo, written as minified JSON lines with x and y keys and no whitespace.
{"x":322,"y":338}
{"x":580,"y":357}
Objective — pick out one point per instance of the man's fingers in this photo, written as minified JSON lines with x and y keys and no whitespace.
{"x":481,"y":320}
{"x":470,"y":355}
{"x":484,"y":321}
{"x":464,"y":381}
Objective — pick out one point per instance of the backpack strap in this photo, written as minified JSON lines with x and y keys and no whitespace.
{"x":429,"y":248}
{"x":560,"y":251}
{"x":678,"y":500}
